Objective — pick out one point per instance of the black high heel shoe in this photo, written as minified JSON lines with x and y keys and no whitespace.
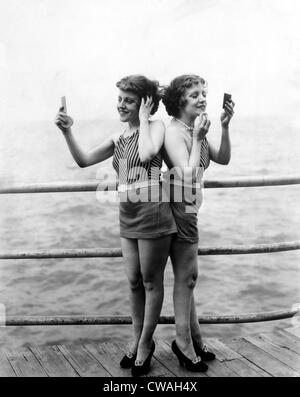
{"x":143,"y":369}
{"x":203,"y":353}
{"x":192,"y":365}
{"x":128,"y":360}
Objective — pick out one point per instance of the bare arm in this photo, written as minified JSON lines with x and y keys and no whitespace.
{"x":179,"y":155}
{"x":151,"y":139}
{"x":84,"y":158}
{"x":223,"y":154}
{"x":93,"y":156}
{"x":177,"y":149}
{"x":151,"y":132}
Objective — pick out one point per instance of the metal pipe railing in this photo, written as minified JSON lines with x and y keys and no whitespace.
{"x":117,"y":252}
{"x":126,"y":320}
{"x":66,"y":186}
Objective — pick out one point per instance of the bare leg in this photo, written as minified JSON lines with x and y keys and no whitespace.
{"x":136,"y":287}
{"x":195,"y":327}
{"x":185,"y":266}
{"x":153,"y":257}
{"x":197,"y":337}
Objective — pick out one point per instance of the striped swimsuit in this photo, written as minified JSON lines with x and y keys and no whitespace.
{"x":186,"y":201}
{"x":204,"y":155}
{"x":142,"y":213}
{"x":127,"y":162}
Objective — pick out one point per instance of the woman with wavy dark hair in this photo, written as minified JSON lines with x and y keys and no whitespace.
{"x":146,"y":222}
{"x":188,"y":153}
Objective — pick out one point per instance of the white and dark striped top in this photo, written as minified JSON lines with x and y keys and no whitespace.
{"x":127,"y":163}
{"x":204,"y":155}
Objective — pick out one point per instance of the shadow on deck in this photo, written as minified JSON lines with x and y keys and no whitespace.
{"x":276,"y":353}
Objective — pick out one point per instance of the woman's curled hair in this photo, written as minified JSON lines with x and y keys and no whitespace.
{"x":142,"y":87}
{"x":173,"y":97}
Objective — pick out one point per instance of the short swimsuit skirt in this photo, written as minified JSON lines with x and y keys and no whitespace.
{"x":144,"y":210}
{"x":185,"y":212}
{"x":149,"y":217}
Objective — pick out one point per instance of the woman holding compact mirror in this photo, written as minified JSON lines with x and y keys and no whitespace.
{"x":187,"y":153}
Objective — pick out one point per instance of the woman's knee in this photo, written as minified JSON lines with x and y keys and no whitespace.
{"x":135,"y":282}
{"x":191,"y":280}
{"x":187,"y":278}
{"x":152,"y":282}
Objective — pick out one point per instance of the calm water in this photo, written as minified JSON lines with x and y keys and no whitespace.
{"x":227,"y":284}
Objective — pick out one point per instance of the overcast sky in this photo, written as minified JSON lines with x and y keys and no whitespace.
{"x":50,"y":48}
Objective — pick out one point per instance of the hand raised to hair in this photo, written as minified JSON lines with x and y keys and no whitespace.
{"x":63,"y":121}
{"x":145,"y":109}
{"x":201,"y":126}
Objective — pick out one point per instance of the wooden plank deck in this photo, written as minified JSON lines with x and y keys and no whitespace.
{"x":275,"y":353}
